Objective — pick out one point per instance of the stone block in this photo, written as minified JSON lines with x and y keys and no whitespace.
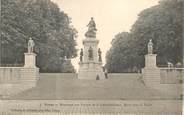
{"x":150,"y":61}
{"x":30,"y":60}
{"x":90,"y":71}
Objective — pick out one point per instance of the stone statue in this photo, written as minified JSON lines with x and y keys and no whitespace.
{"x":92,"y":25}
{"x":99,"y":55}
{"x":91,"y":28}
{"x":81,"y":54}
{"x":31,"y":45}
{"x":150,"y":47}
{"x":90,"y":51}
{"x":65,"y":58}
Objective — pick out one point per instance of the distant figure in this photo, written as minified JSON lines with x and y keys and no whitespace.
{"x":169,"y":64}
{"x":31,"y":45}
{"x":150,"y":47}
{"x":81,"y":54}
{"x":135,"y":69}
{"x":106,"y":74}
{"x":139,"y":71}
{"x":99,"y":55}
{"x":97,"y":77}
{"x":90,"y":51}
{"x":65,"y":58}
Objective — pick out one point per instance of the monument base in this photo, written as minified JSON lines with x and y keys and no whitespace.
{"x":150,"y":61}
{"x":91,"y":70}
{"x":30,"y":60}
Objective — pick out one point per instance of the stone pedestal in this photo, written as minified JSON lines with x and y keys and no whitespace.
{"x":150,"y":61}
{"x":91,"y":70}
{"x":30,"y":61}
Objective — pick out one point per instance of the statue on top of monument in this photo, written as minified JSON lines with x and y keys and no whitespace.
{"x":99,"y":55}
{"x":31,"y":45}
{"x":90,"y":51}
{"x":150,"y":47}
{"x":81,"y":54}
{"x":91,"y":29}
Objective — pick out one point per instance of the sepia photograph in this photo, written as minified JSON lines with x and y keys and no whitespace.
{"x":92,"y":57}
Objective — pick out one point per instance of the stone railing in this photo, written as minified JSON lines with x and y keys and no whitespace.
{"x":17,"y":74}
{"x":10,"y":74}
{"x":171,"y":75}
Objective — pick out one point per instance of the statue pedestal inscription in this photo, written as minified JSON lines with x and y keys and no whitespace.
{"x":90,"y":65}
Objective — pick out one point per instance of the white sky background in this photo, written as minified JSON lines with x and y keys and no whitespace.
{"x":111,"y":17}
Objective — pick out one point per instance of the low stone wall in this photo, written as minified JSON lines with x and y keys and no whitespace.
{"x":166,"y":80}
{"x":172,"y":80}
{"x":10,"y":74}
{"x":68,"y":75}
{"x":123,"y":74}
{"x":17,"y":79}
{"x":171,"y":75}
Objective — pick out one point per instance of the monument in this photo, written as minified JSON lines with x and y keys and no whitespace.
{"x":90,"y":65}
{"x":151,"y":73}
{"x":30,"y":71}
{"x":30,"y":56}
{"x":150,"y":58}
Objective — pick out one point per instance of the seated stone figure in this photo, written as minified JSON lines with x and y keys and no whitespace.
{"x":91,"y":29}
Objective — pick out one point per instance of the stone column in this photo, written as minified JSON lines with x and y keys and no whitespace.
{"x":30,"y":60}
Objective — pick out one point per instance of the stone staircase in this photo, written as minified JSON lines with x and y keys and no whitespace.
{"x":151,"y":77}
{"x":68,"y":87}
{"x":29,"y":74}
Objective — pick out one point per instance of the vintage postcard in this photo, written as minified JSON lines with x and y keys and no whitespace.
{"x":91,"y":57}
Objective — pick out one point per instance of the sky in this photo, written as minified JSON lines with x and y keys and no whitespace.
{"x":111,"y":17}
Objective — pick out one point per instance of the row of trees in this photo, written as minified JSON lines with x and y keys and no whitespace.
{"x":162,"y":23}
{"x":49,"y":27}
